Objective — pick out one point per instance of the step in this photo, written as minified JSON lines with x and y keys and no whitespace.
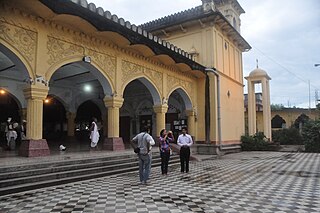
{"x":60,"y":163}
{"x":55,"y":168}
{"x":39,"y":181}
{"x":70,"y":172}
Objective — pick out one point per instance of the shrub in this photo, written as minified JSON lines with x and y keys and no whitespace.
{"x":289,"y":136}
{"x":311,"y":136}
{"x":257,"y":142}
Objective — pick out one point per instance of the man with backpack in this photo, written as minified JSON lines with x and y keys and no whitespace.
{"x":143,"y":143}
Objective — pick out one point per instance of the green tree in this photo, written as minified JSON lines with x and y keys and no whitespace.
{"x":276,"y":107}
{"x":311,"y":136}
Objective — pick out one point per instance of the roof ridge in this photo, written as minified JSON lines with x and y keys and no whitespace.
{"x":138,"y":29}
{"x":185,"y":12}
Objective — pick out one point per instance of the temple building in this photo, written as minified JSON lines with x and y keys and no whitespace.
{"x":66,"y":61}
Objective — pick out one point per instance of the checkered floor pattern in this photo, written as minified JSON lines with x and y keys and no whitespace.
{"x":243,"y":182}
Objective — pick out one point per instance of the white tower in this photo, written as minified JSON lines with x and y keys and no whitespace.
{"x":255,"y":77}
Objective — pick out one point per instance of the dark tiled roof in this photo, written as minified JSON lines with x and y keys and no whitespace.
{"x":105,"y":21}
{"x":174,"y":18}
{"x":193,"y":14}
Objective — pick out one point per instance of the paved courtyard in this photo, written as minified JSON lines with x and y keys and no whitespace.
{"x":242,"y":182}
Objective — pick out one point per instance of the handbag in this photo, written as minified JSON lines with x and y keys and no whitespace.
{"x":136,"y":150}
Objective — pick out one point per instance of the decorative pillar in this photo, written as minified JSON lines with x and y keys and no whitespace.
{"x":191,"y":122}
{"x":35,"y":146}
{"x":160,"y":111}
{"x":113,"y":142}
{"x":71,"y":124}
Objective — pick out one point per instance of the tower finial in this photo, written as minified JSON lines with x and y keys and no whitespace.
{"x":257,"y":63}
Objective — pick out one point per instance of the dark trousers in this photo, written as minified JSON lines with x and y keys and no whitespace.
{"x":184,"y":158}
{"x":165,"y":156}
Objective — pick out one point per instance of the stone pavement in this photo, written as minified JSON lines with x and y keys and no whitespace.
{"x":241,"y":182}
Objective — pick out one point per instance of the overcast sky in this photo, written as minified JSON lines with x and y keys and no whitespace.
{"x":284,"y":35}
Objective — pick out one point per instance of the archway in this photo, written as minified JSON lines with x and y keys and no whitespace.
{"x":137,"y":110}
{"x":10,"y":107}
{"x":277,"y":122}
{"x":83,"y":87}
{"x":86,"y":111}
{"x":14,"y":76}
{"x":176,"y":117}
{"x":54,"y":119}
{"x":301,"y":120}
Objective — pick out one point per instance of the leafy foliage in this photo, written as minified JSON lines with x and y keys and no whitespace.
{"x":289,"y":136}
{"x":311,"y":136}
{"x":257,"y":142}
{"x":276,"y":107}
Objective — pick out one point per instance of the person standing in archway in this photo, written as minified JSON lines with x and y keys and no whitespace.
{"x":94,"y":133}
{"x":184,"y":141}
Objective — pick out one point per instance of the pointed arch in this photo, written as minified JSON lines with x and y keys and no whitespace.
{"x":152,"y":88}
{"x":301,"y":120}
{"x":19,"y":60}
{"x":277,"y":122}
{"x":9,"y":108}
{"x":104,"y":79}
{"x":185,"y":96}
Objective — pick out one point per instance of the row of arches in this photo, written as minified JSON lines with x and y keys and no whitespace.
{"x":78,"y":88}
{"x":279,"y":122}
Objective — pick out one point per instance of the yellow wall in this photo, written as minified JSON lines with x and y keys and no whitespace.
{"x":216,"y":50}
{"x":289,"y":115}
{"x":44,"y":46}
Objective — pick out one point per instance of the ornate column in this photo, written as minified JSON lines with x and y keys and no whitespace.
{"x":160,"y":111}
{"x":71,"y":124}
{"x":191,"y":122}
{"x":35,"y":145}
{"x":113,"y":142}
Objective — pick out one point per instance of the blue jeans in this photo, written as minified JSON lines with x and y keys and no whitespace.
{"x":144,"y":167}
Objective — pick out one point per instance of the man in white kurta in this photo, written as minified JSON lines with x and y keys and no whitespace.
{"x":94,"y":135}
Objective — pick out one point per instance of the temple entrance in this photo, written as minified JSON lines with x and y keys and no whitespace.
{"x":9,"y":109}
{"x":13,"y":77}
{"x":176,"y":117}
{"x":137,"y":109}
{"x":125,"y":122}
{"x":85,"y":113}
{"x":54,"y":119}
{"x":80,"y":88}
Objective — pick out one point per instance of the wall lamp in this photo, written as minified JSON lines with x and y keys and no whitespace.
{"x":86,"y":59}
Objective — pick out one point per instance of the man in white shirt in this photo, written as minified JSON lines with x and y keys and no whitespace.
{"x":184,"y":141}
{"x":144,"y":142}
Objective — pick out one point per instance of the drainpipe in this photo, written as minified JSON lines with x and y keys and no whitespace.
{"x":207,"y":122}
{"x":214,"y":71}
